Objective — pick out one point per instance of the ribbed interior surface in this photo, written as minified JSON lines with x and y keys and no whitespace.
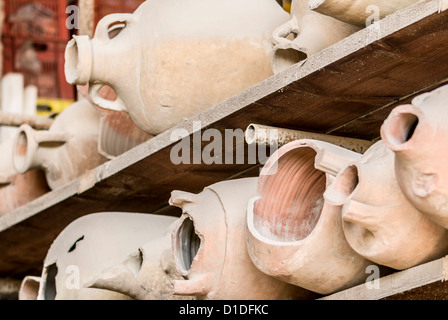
{"x":189,"y":244}
{"x":291,"y":197}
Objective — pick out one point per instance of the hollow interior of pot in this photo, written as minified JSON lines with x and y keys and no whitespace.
{"x":72,"y":61}
{"x":346,"y":183}
{"x":50,"y":285}
{"x":291,"y":197}
{"x":402,"y":129}
{"x":20,"y":151}
{"x":188,"y":244}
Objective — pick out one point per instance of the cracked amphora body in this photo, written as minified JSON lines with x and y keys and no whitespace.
{"x":90,"y":246}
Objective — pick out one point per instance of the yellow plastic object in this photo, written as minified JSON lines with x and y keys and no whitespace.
{"x":287,"y":5}
{"x":48,"y":106}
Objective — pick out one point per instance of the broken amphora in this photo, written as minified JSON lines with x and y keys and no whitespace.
{"x":378,"y":221}
{"x":210,"y":250}
{"x":304,"y":34}
{"x":92,"y":244}
{"x":146,"y":274}
{"x":417,"y":133}
{"x":177,"y":58}
{"x":359,"y":12}
{"x":65,"y":151}
{"x":293,"y":233}
{"x":17,"y":189}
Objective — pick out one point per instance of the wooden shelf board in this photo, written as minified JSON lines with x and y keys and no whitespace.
{"x":424,"y":282}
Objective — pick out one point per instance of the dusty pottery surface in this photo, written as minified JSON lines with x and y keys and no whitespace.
{"x":177,"y":58}
{"x":146,"y":274}
{"x":92,"y":244}
{"x":118,"y":133}
{"x":65,"y":151}
{"x":311,"y":32}
{"x":210,"y":250}
{"x":16,"y":189}
{"x":293,"y":233}
{"x":418,"y":135}
{"x":378,"y":221}
{"x":358,"y":12}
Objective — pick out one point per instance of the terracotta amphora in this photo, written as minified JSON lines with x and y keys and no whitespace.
{"x":17,"y":189}
{"x":90,"y":245}
{"x":209,"y":247}
{"x":65,"y":151}
{"x":171,"y":59}
{"x":418,"y":135}
{"x":304,"y":34}
{"x":293,"y":233}
{"x":378,"y":221}
{"x":146,"y":274}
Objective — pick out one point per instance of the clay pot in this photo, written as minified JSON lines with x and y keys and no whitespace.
{"x":358,"y":12}
{"x":418,"y":135}
{"x":16,"y":189}
{"x":210,"y":250}
{"x":92,"y":244}
{"x":65,"y":151}
{"x":311,"y":32}
{"x":378,"y":221}
{"x":177,"y":58}
{"x":293,"y":233}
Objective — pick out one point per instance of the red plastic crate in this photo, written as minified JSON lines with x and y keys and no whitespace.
{"x":36,"y":19}
{"x":41,"y":23}
{"x":47,"y":29}
{"x":50,"y":81}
